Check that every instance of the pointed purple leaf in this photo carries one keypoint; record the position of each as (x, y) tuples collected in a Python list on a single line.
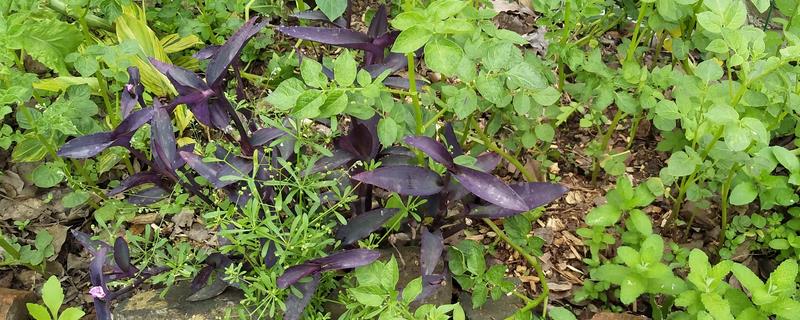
[(347, 259), (430, 250), (184, 80), (133, 122), (316, 15), (405, 180), (295, 273), (379, 24), (206, 53), (294, 304), (433, 149), (122, 255), (214, 289), (86, 241), (210, 171), (490, 188), (270, 258), (201, 279), (362, 225), (101, 310), (217, 114), (339, 159), (332, 36), (394, 62), (131, 93), (86, 146), (164, 138), (147, 196), (265, 135), (452, 140), (535, 194), (230, 51)]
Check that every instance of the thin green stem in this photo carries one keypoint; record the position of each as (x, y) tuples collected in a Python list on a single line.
[(484, 140), (8, 248), (533, 261), (634, 127), (726, 187), (635, 37), (604, 143), (412, 90)]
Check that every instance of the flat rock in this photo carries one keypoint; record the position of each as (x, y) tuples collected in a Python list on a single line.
[(148, 305), (12, 303)]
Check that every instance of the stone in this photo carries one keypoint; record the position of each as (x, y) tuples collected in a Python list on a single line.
[(148, 305), (12, 303)]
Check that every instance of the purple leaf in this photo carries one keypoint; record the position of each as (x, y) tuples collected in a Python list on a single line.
[(490, 188), (230, 51), (487, 161), (452, 140), (147, 196), (339, 159), (210, 171), (270, 258), (433, 149), (379, 24), (122, 255), (185, 81), (265, 135), (295, 273), (163, 137), (135, 180), (206, 53), (86, 146), (294, 304), (86, 241), (347, 259), (406, 180), (218, 116), (133, 122), (394, 62), (430, 250), (131, 93), (337, 37), (212, 290), (364, 224), (201, 279), (96, 276), (535, 194), (362, 140)]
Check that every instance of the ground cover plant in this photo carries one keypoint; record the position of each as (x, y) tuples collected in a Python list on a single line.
[(435, 159)]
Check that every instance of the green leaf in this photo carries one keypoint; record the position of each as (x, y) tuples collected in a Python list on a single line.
[(491, 88), (38, 312), (561, 313), (412, 290), (710, 21), (743, 193), (335, 103), (629, 256), (411, 39), (641, 222), (652, 249), (747, 278), (311, 71), (75, 198), (603, 216), (722, 114), (737, 138), (708, 70), (47, 175), (612, 273), (332, 8), (388, 131), (442, 9), (545, 132), (52, 295), (71, 313), (782, 280), (479, 295), (408, 19), (28, 149), (631, 288), (285, 96), (47, 40), (680, 164), (308, 104), (528, 76), (547, 96), (390, 275), (440, 55), (345, 69), (368, 296), (786, 158), (716, 306), (465, 103)]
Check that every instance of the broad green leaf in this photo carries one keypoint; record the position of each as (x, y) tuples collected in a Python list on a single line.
[(528, 76), (716, 306), (440, 54), (737, 138), (390, 274), (46, 40), (47, 175), (411, 39), (612, 273), (28, 149), (629, 256), (412, 290), (75, 198), (652, 249), (71, 313), (52, 295), (667, 109), (641, 222), (786, 158), (781, 281), (442, 9), (38, 312), (345, 69), (547, 96), (332, 8), (368, 296), (561, 313), (407, 20), (710, 21), (308, 104), (545, 132), (722, 114), (465, 103), (285, 96), (603, 216), (491, 88), (335, 104), (746, 277), (708, 70), (388, 131), (680, 164), (743, 193), (311, 71), (631, 288)]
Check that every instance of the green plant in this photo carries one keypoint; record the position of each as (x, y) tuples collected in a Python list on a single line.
[(468, 265), (32, 256), (53, 297)]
